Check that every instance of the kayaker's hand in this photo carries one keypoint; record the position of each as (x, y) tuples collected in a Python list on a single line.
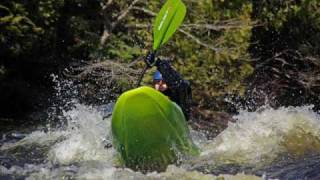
[(150, 60)]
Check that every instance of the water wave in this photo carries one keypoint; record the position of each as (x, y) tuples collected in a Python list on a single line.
[(259, 138), (82, 148)]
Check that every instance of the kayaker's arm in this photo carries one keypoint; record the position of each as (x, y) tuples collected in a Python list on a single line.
[(181, 90), (171, 76)]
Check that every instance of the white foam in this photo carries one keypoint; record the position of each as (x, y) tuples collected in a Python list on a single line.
[(260, 137), (78, 149), (86, 140)]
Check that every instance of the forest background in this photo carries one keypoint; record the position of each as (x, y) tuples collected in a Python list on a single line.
[(236, 54)]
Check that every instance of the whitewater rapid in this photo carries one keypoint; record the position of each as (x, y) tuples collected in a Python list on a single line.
[(81, 148)]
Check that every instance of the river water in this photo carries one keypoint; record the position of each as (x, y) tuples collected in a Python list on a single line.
[(270, 143)]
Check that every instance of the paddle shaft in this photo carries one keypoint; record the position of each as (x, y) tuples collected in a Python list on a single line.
[(142, 75), (167, 22)]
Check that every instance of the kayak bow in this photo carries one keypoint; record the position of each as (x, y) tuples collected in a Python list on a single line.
[(149, 131)]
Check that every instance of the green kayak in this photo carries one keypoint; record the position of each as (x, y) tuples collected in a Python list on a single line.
[(150, 131)]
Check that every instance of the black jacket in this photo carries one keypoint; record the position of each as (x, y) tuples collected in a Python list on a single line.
[(179, 90)]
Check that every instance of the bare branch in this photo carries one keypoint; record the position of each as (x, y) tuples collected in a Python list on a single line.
[(104, 37), (147, 11), (107, 32), (138, 26), (101, 69), (221, 25), (215, 27), (106, 5), (195, 26), (124, 14), (198, 41)]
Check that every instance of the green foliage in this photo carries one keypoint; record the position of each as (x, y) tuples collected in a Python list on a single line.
[(120, 47), (276, 13), (17, 30), (215, 58), (220, 72), (48, 25), (295, 24), (2, 71), (48, 12)]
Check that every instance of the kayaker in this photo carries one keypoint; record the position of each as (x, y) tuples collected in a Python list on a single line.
[(169, 82), (159, 83)]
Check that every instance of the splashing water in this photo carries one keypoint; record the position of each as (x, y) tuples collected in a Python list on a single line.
[(260, 138), (87, 133), (81, 150), (263, 143)]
